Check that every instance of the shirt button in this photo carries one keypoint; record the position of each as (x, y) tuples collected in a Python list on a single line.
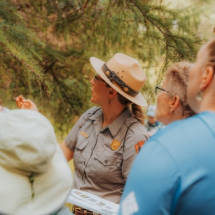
[(106, 161)]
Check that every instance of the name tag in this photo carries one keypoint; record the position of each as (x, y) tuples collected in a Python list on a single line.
[(84, 134)]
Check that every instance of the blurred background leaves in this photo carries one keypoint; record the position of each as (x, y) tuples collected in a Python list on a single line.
[(45, 46)]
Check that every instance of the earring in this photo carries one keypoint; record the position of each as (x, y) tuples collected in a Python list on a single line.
[(199, 96), (109, 101)]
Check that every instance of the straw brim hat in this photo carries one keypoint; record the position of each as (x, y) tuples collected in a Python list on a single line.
[(97, 65), (51, 188)]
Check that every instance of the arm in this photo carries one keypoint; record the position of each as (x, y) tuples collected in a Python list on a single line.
[(67, 152), (68, 146)]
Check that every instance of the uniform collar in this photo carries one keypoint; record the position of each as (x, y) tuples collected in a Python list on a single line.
[(96, 115), (97, 119), (115, 126)]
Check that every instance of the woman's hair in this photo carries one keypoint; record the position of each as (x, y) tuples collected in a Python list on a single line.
[(177, 80), (135, 109)]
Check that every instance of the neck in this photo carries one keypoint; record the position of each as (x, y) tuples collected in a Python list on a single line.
[(1, 108), (207, 107), (174, 117), (152, 122), (111, 112), (207, 103)]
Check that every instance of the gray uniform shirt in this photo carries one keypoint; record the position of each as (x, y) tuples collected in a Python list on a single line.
[(103, 156)]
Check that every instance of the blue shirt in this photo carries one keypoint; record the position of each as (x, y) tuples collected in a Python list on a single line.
[(174, 172)]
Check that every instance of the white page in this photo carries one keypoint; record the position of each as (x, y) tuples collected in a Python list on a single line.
[(92, 202)]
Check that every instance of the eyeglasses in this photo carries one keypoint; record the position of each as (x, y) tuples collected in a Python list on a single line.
[(159, 89), (97, 78)]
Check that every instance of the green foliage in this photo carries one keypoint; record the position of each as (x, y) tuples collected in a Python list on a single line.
[(45, 46), (19, 53)]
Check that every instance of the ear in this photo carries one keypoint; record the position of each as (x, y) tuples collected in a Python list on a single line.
[(174, 103), (112, 93), (207, 77)]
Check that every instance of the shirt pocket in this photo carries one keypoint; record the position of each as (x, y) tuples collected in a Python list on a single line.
[(110, 158), (82, 142), (84, 136), (108, 167)]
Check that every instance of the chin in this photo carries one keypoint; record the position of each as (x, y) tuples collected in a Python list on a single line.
[(93, 101)]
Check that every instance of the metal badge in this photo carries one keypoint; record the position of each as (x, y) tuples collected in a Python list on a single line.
[(115, 145)]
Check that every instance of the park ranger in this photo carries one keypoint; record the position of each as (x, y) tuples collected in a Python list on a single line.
[(106, 139)]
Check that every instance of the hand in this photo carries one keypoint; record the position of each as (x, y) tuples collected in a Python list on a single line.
[(22, 103)]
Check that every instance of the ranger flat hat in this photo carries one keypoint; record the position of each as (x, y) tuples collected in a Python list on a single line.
[(124, 74)]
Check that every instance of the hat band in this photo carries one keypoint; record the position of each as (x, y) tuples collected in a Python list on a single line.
[(112, 76)]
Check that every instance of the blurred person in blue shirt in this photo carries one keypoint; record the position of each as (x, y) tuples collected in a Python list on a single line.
[(152, 125), (174, 172)]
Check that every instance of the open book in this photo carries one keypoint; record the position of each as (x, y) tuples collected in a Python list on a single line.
[(92, 202)]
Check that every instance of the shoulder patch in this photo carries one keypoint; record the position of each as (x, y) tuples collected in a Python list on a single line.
[(139, 145)]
